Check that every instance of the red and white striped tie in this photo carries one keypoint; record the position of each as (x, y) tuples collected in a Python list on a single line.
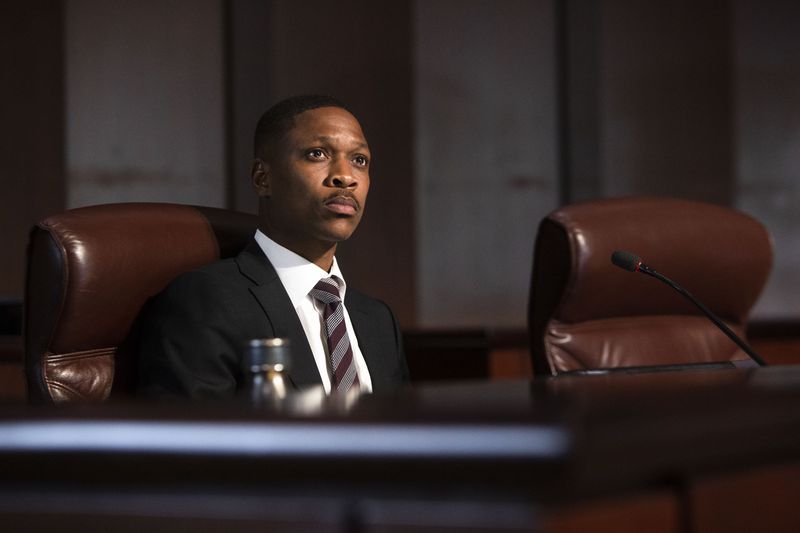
[(343, 368)]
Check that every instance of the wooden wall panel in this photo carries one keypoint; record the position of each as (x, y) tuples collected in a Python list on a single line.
[(32, 134), (144, 93)]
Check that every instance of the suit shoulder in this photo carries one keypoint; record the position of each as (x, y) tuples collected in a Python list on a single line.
[(222, 267), (208, 279)]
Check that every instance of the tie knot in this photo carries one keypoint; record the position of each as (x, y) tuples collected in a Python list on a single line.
[(326, 291)]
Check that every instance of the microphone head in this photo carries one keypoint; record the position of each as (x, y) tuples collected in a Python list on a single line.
[(626, 260)]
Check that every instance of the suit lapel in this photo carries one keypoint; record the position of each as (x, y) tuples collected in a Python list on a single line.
[(277, 306)]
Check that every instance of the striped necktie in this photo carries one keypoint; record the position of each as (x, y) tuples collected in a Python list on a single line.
[(343, 368)]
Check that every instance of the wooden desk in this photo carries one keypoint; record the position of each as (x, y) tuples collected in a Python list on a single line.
[(660, 451)]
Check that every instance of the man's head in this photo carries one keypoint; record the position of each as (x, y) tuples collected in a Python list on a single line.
[(276, 122), (311, 173)]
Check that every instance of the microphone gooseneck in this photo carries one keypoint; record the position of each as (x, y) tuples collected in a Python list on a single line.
[(633, 263)]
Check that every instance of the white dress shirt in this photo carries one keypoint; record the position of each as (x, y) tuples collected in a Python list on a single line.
[(298, 276)]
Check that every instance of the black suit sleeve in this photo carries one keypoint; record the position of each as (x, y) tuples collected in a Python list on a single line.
[(188, 342)]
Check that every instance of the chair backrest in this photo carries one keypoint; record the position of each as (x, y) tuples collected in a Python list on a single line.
[(585, 313), (91, 270)]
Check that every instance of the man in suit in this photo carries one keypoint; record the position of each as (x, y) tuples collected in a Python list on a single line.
[(311, 174)]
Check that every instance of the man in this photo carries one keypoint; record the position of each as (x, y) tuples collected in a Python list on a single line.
[(311, 174)]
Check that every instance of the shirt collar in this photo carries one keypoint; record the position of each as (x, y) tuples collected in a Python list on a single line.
[(297, 274)]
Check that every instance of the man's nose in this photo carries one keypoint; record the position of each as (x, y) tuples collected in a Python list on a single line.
[(341, 174)]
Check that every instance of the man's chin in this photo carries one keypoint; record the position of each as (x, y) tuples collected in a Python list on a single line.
[(340, 230), (335, 238)]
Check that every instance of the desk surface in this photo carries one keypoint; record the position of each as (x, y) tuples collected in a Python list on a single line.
[(571, 435)]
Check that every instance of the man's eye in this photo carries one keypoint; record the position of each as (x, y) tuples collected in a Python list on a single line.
[(360, 160), (316, 153)]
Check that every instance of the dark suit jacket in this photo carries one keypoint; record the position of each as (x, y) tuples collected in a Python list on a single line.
[(193, 333)]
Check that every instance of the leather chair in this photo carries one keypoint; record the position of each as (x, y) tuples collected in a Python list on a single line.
[(584, 313), (91, 270)]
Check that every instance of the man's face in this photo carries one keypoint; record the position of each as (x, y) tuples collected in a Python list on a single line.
[(316, 181)]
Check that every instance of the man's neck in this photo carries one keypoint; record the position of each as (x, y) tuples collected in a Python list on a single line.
[(319, 253)]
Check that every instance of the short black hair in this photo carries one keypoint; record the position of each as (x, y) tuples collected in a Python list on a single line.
[(279, 119)]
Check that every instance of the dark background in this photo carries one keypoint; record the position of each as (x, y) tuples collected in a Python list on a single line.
[(482, 116)]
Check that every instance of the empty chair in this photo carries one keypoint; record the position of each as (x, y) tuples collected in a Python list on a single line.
[(585, 313)]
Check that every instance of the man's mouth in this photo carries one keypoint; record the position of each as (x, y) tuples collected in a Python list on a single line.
[(342, 205)]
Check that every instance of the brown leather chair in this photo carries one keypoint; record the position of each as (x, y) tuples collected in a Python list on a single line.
[(90, 271), (584, 313)]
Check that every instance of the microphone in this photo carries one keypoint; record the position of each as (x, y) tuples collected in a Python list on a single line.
[(633, 263)]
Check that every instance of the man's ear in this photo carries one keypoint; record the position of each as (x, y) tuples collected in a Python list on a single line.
[(260, 176)]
